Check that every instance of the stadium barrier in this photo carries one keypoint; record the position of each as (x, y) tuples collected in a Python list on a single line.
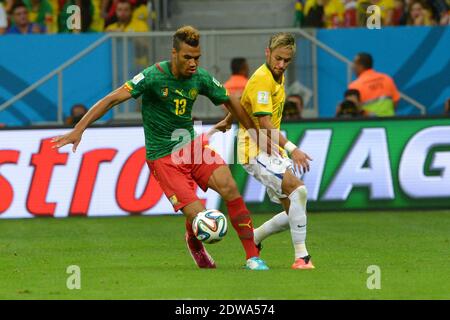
[(361, 164)]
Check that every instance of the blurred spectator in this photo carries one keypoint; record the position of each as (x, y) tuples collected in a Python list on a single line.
[(3, 19), (419, 14), (109, 11), (125, 23), (141, 11), (351, 106), (361, 12), (293, 107), (378, 92), (9, 5), (239, 77), (86, 11), (393, 12), (314, 14), (22, 25), (76, 113), (324, 13), (41, 12), (399, 13), (447, 107), (98, 23), (350, 14), (440, 11), (387, 11), (299, 17)]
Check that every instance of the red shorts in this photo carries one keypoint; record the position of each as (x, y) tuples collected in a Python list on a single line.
[(179, 173)]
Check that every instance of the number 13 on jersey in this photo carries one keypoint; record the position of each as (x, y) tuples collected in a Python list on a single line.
[(180, 106)]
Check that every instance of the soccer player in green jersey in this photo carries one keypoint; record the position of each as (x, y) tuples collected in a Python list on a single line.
[(169, 90)]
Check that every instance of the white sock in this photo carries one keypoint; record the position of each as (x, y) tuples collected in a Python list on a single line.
[(278, 223), (297, 220)]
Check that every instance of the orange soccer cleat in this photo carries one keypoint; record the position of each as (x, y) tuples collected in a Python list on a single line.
[(303, 263)]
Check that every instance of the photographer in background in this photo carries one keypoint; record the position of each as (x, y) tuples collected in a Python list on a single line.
[(76, 113), (293, 107), (351, 106)]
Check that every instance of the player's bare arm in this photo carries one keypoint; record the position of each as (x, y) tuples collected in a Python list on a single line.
[(300, 159), (236, 111), (96, 112), (234, 107), (224, 124)]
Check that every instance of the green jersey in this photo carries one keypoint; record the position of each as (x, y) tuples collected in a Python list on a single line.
[(167, 105)]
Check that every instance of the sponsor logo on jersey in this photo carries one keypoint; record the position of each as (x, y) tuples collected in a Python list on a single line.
[(180, 92), (137, 78), (164, 92), (263, 97)]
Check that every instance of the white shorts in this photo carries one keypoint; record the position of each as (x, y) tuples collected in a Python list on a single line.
[(269, 170)]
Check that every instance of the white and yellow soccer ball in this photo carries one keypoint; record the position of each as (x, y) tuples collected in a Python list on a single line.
[(210, 226)]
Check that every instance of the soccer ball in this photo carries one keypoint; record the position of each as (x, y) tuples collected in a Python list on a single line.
[(210, 226)]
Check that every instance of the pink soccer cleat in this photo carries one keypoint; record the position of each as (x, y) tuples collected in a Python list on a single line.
[(303, 263), (198, 252)]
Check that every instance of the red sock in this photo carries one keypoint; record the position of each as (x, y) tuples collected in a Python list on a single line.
[(193, 242), (242, 223), (189, 228)]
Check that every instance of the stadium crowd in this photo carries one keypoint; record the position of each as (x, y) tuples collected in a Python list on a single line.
[(51, 16), (354, 13)]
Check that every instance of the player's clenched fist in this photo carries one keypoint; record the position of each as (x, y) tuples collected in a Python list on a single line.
[(73, 137)]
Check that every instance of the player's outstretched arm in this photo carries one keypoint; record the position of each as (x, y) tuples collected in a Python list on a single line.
[(300, 159), (234, 106), (264, 142), (97, 111), (222, 126)]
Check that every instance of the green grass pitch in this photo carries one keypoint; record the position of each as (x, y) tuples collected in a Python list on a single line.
[(146, 258)]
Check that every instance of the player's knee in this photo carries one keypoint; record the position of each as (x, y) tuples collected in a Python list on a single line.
[(303, 193), (228, 189), (300, 194), (290, 184)]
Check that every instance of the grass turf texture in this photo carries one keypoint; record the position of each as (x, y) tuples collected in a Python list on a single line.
[(146, 258)]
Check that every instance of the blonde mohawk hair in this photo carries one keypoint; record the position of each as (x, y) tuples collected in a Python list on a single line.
[(188, 35), (282, 40)]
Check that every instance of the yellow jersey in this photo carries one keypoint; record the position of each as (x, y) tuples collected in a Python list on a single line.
[(333, 10), (262, 96), (133, 26)]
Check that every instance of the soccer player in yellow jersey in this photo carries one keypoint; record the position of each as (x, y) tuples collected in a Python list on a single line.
[(263, 99)]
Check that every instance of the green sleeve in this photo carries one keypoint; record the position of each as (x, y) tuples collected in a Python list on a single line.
[(139, 83), (213, 89)]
